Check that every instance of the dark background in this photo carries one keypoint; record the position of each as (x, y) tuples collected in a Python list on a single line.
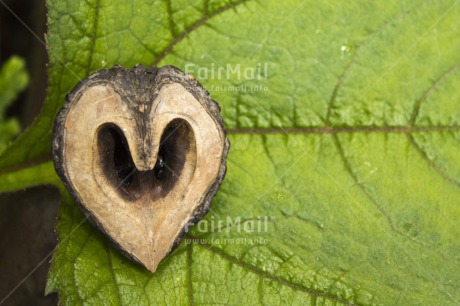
[(27, 218)]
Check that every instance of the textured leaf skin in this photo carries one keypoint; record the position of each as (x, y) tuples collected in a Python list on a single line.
[(13, 79), (352, 151)]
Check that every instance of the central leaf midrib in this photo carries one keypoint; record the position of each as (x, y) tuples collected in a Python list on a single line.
[(287, 131), (345, 129)]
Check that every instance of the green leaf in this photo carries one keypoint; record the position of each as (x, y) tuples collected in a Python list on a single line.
[(13, 79), (33, 175), (348, 143)]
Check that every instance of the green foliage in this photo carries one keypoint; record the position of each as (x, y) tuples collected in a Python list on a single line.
[(351, 151), (13, 79)]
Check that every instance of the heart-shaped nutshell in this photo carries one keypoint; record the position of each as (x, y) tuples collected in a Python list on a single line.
[(142, 152)]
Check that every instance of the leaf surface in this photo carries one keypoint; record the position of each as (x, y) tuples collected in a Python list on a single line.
[(345, 141)]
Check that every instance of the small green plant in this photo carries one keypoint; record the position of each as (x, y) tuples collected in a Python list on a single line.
[(13, 79)]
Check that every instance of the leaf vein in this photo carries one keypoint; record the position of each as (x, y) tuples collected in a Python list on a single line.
[(378, 206), (189, 274), (93, 38), (426, 93), (347, 69), (170, 18), (265, 275), (433, 165), (112, 273), (192, 28)]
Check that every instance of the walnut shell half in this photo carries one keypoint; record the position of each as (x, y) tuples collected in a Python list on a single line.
[(142, 152)]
